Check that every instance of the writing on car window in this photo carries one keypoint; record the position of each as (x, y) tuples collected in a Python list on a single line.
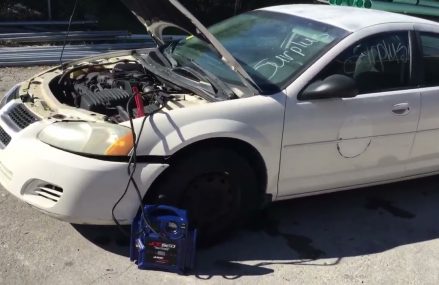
[(272, 47), (295, 51), (378, 54), (376, 63)]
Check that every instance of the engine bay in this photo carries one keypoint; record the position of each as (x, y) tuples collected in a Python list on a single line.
[(119, 90)]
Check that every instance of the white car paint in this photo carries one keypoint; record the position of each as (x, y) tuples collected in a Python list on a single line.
[(228, 119), (424, 156), (353, 141), (308, 147), (90, 186)]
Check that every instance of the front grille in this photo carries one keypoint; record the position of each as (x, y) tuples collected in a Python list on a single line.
[(5, 139), (19, 116), (49, 191)]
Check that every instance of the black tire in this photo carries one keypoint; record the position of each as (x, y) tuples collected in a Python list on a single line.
[(217, 186)]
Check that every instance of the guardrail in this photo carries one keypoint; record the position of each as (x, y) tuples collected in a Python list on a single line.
[(74, 36), (49, 55), (45, 23)]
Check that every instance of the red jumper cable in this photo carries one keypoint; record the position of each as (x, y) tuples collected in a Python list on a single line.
[(139, 102)]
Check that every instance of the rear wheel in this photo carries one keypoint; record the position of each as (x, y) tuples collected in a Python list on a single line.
[(217, 187)]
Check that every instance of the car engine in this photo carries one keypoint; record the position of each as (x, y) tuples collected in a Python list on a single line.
[(110, 91)]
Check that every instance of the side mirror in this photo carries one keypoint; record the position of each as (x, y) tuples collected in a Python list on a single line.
[(334, 86)]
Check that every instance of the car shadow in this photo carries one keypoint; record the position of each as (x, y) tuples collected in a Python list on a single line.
[(313, 231)]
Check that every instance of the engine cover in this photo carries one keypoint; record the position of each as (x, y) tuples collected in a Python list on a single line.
[(102, 100)]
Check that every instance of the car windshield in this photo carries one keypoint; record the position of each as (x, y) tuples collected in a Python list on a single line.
[(271, 47)]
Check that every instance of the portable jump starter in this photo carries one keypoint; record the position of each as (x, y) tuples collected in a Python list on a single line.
[(161, 239)]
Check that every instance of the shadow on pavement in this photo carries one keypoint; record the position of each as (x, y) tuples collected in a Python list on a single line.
[(313, 231)]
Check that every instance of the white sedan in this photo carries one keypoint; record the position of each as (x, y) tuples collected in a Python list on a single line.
[(272, 104)]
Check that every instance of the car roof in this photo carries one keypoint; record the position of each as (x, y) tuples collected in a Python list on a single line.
[(349, 18)]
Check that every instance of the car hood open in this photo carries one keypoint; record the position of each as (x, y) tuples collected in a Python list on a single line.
[(157, 15), (160, 13)]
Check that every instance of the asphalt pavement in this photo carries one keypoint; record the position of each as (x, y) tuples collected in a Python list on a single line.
[(378, 235)]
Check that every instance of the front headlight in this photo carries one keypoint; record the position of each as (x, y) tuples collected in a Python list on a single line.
[(10, 95), (89, 138)]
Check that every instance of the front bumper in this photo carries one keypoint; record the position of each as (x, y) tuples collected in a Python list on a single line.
[(67, 186)]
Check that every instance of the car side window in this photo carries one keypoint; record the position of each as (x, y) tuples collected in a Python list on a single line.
[(376, 63), (430, 55)]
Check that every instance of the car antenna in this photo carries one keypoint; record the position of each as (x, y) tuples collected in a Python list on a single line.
[(67, 34)]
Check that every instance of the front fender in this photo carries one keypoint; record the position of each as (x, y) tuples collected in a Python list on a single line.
[(256, 120), (183, 136)]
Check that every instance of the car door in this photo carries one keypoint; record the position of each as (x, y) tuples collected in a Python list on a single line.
[(425, 154), (347, 142)]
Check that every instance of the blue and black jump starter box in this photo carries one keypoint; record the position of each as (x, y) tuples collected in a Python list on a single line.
[(161, 239)]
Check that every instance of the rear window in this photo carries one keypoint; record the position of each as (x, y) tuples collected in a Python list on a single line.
[(430, 54)]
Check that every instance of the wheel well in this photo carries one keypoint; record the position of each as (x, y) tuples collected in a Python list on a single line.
[(243, 148)]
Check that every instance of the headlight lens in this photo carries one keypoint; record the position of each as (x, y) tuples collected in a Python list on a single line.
[(89, 138), (10, 95)]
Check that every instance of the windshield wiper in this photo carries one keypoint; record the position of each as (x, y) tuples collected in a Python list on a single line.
[(208, 76), (168, 50)]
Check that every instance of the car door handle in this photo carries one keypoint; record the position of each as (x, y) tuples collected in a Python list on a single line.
[(401, 109)]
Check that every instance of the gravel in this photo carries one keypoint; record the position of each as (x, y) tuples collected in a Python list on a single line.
[(11, 76)]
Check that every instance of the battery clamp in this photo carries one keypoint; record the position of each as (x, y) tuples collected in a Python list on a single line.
[(162, 239)]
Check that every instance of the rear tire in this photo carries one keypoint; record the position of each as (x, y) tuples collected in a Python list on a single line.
[(217, 186)]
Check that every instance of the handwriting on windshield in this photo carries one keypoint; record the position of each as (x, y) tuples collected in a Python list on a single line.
[(294, 51), (378, 54)]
